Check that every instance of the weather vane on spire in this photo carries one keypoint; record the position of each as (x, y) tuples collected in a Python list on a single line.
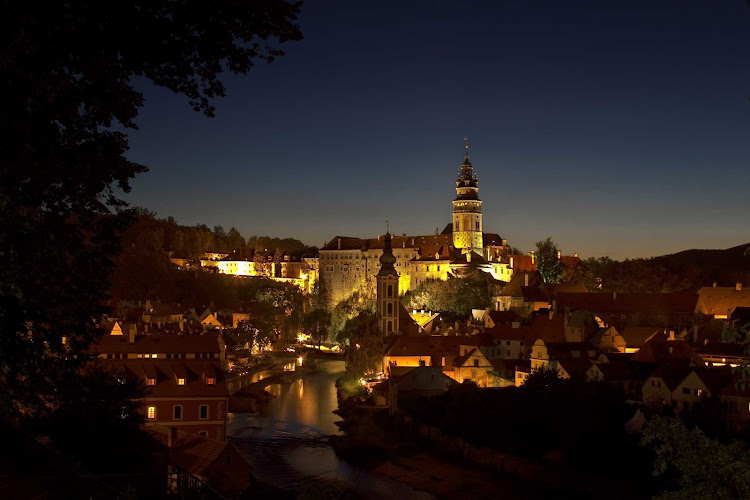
[(466, 145), (387, 227)]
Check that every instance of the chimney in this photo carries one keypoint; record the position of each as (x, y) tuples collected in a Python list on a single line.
[(551, 314), (172, 437), (511, 262), (554, 305), (131, 335), (339, 243), (436, 230), (559, 254), (533, 257), (378, 237), (526, 279), (738, 286), (714, 284), (575, 254)]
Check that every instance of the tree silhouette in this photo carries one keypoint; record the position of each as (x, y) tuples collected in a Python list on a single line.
[(66, 80)]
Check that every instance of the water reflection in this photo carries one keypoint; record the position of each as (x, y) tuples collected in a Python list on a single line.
[(286, 444)]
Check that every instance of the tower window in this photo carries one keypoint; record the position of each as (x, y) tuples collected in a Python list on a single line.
[(390, 326), (456, 228), (477, 225), (390, 291), (390, 309)]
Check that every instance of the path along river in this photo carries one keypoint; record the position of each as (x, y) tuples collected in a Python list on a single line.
[(286, 443)]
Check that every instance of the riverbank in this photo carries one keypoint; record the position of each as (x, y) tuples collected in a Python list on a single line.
[(371, 444)]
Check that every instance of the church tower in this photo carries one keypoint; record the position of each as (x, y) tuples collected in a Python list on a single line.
[(387, 291), (467, 210)]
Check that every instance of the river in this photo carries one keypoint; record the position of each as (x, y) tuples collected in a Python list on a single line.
[(286, 443)]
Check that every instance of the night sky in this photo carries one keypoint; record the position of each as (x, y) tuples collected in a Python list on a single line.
[(618, 128)]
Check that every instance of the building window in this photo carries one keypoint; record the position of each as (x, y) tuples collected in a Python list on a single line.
[(390, 291), (153, 356), (390, 326), (177, 412), (686, 390), (210, 380), (203, 434), (180, 381), (151, 413), (151, 381), (203, 412), (390, 309), (477, 225), (476, 362)]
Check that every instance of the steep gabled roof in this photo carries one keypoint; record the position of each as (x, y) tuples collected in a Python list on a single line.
[(722, 300), (637, 336)]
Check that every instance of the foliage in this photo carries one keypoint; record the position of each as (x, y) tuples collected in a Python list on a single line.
[(571, 417), (68, 100), (358, 302), (100, 418), (705, 468), (259, 331), (541, 378), (547, 262), (315, 323), (453, 298), (364, 353)]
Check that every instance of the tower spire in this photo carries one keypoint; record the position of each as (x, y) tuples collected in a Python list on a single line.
[(466, 146)]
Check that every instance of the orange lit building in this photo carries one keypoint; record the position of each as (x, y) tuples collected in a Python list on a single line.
[(183, 375)]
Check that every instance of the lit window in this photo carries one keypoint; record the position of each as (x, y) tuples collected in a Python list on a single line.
[(210, 381), (140, 356), (180, 381), (153, 356), (152, 412), (177, 412), (151, 381)]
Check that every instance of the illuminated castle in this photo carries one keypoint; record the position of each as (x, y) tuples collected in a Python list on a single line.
[(351, 264)]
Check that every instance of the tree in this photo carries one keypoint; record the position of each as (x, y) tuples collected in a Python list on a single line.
[(547, 262), (364, 353), (315, 323), (278, 256), (66, 74), (705, 468)]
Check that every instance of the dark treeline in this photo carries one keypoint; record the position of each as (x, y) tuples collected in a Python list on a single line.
[(681, 272), (191, 242)]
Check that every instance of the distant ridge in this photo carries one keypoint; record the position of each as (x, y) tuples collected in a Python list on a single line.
[(725, 267)]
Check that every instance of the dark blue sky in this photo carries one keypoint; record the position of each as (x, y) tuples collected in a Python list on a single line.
[(618, 128)]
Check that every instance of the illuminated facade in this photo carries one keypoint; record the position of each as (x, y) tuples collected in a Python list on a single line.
[(303, 274), (351, 264)]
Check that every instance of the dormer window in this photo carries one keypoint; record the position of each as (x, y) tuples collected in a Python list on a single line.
[(151, 381), (180, 381), (210, 381)]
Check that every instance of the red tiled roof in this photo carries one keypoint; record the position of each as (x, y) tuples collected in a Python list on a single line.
[(208, 343), (522, 263), (193, 371), (637, 336), (722, 300), (628, 303)]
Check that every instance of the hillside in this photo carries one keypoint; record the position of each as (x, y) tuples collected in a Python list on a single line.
[(725, 267)]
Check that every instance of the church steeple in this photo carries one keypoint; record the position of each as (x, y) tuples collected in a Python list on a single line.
[(467, 209), (387, 289)]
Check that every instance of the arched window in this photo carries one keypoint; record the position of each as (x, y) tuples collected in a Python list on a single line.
[(390, 310), (456, 229), (390, 326), (390, 291)]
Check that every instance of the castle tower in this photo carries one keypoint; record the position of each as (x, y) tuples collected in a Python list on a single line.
[(467, 210), (387, 290)]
